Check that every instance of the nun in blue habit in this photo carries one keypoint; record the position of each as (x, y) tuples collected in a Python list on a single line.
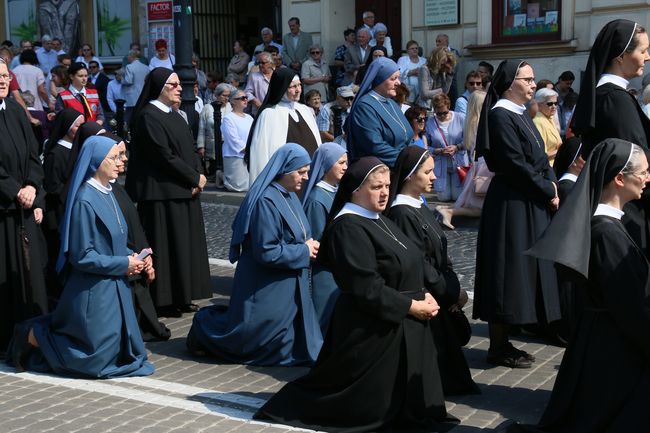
[(93, 331), (376, 125), (271, 318), (327, 168)]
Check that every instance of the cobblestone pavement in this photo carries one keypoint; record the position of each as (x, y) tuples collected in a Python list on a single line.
[(188, 394)]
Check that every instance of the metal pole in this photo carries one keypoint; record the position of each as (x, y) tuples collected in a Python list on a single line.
[(183, 37)]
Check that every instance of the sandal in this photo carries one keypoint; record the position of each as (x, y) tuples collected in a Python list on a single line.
[(508, 358), (522, 353)]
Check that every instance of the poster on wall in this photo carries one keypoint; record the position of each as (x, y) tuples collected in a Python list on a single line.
[(114, 34), (441, 12), (160, 24)]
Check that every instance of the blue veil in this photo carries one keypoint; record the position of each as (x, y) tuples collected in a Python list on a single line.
[(324, 158), (90, 158), (286, 159), (378, 72)]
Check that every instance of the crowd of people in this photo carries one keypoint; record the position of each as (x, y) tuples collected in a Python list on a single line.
[(342, 266)]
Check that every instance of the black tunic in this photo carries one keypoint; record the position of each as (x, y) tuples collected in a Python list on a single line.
[(618, 115), (55, 167), (23, 293), (162, 172), (377, 366), (509, 284), (145, 311), (604, 378), (299, 132), (421, 227)]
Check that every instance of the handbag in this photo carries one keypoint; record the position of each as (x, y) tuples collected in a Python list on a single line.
[(481, 184)]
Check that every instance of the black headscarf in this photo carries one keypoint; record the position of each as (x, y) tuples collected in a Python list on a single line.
[(611, 42), (356, 173), (501, 81), (153, 85), (62, 124), (407, 162), (566, 154), (604, 163), (278, 85), (85, 131)]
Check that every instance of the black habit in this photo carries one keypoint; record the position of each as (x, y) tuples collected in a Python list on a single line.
[(509, 287), (421, 227), (378, 366), (163, 169), (23, 292)]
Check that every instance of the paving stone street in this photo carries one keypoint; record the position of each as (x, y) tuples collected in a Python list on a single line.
[(189, 394)]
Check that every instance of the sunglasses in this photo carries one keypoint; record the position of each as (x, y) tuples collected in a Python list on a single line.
[(442, 113), (348, 98), (421, 119), (314, 52), (475, 83), (173, 85), (241, 98), (551, 104)]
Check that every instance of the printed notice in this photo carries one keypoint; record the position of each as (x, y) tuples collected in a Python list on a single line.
[(441, 12)]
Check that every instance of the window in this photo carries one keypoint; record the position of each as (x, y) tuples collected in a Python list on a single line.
[(525, 20)]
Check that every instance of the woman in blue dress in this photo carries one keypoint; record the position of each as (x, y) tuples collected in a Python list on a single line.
[(327, 168), (270, 319), (93, 332)]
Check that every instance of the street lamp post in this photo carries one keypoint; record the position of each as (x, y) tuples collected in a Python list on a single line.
[(183, 37)]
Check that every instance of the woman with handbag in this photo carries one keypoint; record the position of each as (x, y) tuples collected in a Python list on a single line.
[(444, 133), (413, 176)]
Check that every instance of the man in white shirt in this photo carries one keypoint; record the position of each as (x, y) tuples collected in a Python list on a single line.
[(267, 39), (47, 57)]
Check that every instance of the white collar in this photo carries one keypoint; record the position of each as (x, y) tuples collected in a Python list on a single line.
[(162, 107), (280, 187), (610, 211), (569, 176), (74, 90), (327, 187), (65, 143), (291, 105), (510, 106), (3, 105), (355, 209), (406, 200), (98, 186), (617, 80), (377, 96)]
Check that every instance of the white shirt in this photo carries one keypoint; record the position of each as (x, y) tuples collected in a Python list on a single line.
[(162, 107), (610, 211), (3, 105), (234, 130), (113, 92), (65, 143), (569, 176), (406, 200), (614, 79), (168, 63), (355, 209)]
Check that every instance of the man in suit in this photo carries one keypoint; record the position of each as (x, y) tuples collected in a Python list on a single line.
[(99, 81), (135, 73), (356, 56), (295, 45)]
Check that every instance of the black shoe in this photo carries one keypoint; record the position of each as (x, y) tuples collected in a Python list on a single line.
[(189, 308), (168, 311), (21, 346), (508, 358), (523, 353)]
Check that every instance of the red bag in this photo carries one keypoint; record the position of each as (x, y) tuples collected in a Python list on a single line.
[(462, 172)]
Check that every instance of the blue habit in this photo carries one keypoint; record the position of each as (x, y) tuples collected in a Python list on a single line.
[(325, 291), (271, 318), (378, 128), (93, 331)]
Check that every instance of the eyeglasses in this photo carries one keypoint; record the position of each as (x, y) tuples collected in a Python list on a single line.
[(642, 174), (173, 85), (5, 77), (475, 83), (421, 119), (117, 158), (314, 52), (528, 80), (94, 67), (551, 104), (241, 98), (442, 113), (265, 63)]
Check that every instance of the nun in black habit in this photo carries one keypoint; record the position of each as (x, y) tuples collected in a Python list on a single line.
[(603, 382), (413, 176), (165, 179), (377, 368), (606, 110), (510, 288), (22, 282), (55, 167)]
